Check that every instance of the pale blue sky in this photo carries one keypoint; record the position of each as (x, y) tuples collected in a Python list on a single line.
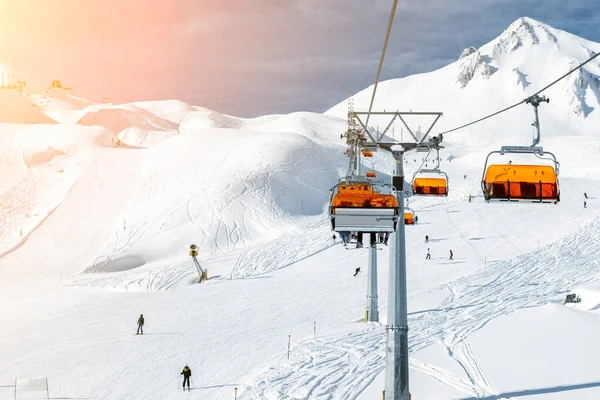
[(252, 57)]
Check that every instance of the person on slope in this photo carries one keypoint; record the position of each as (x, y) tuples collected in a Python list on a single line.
[(187, 372), (585, 195), (584, 204), (359, 240), (470, 197), (356, 271), (334, 238), (451, 254), (140, 324), (428, 257), (426, 239), (416, 219)]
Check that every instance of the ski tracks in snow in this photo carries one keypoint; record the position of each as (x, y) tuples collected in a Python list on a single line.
[(287, 249), (342, 366), (338, 367)]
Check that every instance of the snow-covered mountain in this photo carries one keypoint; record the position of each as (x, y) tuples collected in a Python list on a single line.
[(527, 56), (100, 202)]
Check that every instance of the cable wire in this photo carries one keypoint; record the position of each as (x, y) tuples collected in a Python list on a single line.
[(522, 101), (385, 43)]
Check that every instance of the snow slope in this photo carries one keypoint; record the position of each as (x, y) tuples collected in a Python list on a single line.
[(97, 218)]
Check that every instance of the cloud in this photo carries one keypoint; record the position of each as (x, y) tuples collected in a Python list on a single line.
[(255, 57)]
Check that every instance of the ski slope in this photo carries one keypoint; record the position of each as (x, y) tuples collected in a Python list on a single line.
[(99, 206)]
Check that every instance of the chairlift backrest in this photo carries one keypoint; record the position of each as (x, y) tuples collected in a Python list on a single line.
[(521, 182)]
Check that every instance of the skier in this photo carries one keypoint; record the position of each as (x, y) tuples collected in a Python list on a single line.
[(416, 219), (345, 236), (187, 372), (426, 239), (359, 240), (470, 197), (140, 324), (584, 204), (334, 238), (356, 271), (465, 177), (428, 257), (451, 254), (585, 195)]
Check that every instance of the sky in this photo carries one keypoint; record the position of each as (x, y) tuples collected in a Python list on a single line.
[(253, 57)]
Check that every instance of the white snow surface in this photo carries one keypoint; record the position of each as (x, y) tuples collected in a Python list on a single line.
[(98, 212)]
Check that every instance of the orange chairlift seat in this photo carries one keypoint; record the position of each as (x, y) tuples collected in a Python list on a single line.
[(371, 174), (359, 207), (522, 182), (409, 217), (366, 153), (430, 183)]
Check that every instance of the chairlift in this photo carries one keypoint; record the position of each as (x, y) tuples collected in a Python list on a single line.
[(409, 216), (430, 182), (371, 174), (531, 182), (536, 183), (366, 153), (358, 205)]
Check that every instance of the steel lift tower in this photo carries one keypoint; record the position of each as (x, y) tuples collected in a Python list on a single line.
[(396, 373)]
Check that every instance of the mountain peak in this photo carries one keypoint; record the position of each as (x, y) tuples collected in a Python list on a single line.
[(524, 31)]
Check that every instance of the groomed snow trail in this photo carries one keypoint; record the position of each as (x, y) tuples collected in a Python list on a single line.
[(341, 366)]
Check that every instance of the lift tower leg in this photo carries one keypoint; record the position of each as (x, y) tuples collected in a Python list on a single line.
[(372, 313), (396, 372)]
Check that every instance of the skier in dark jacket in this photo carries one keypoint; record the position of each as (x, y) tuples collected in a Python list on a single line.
[(140, 324), (187, 372), (356, 271)]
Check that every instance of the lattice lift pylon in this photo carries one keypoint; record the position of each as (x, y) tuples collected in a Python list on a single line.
[(355, 139)]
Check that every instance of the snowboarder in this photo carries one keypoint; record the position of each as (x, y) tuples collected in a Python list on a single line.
[(356, 271), (426, 239), (470, 197), (140, 325), (584, 204), (187, 372), (451, 254), (428, 257), (585, 195)]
